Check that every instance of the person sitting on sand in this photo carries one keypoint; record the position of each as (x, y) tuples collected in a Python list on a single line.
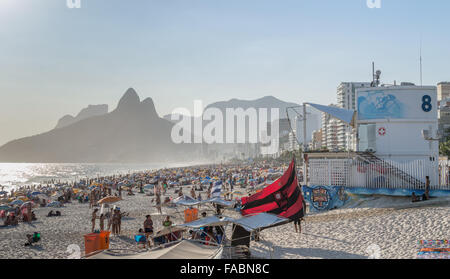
[(130, 192), (33, 216), (94, 217), (415, 198), (141, 238), (167, 222), (33, 238)]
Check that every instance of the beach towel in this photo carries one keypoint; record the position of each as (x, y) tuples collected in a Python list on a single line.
[(282, 198)]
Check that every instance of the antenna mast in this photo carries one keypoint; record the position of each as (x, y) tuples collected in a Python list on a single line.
[(421, 72)]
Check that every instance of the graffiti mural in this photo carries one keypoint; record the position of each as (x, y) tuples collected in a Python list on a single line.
[(379, 105), (323, 198)]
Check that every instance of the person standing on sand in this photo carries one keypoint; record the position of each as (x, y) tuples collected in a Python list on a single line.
[(158, 203), (102, 222), (119, 225), (109, 215), (298, 223), (115, 222), (94, 217), (193, 193), (427, 189), (148, 229)]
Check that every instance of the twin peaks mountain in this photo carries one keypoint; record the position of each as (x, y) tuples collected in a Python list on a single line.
[(133, 132)]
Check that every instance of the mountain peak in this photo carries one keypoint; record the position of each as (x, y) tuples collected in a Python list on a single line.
[(149, 106), (129, 99)]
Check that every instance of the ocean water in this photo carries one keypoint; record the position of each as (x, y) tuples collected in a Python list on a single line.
[(16, 174)]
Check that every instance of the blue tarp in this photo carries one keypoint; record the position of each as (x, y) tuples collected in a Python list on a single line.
[(208, 221), (249, 223)]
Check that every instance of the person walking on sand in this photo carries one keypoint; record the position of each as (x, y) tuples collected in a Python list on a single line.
[(94, 217)]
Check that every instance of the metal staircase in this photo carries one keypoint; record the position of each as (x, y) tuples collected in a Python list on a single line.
[(370, 158)]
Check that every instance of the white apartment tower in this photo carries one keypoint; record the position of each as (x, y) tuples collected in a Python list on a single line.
[(346, 98)]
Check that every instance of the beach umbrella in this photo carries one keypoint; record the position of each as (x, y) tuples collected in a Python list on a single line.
[(17, 202), (5, 207), (26, 204), (3, 192), (149, 186), (238, 193), (36, 193), (108, 200)]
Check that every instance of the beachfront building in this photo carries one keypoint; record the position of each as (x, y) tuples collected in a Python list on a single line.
[(443, 90), (292, 141), (329, 131), (346, 99), (444, 118), (316, 142)]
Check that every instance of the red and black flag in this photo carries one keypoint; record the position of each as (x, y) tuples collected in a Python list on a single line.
[(283, 198)]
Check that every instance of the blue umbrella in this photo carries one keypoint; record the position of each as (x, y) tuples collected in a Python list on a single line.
[(17, 202), (149, 186), (36, 193), (3, 192)]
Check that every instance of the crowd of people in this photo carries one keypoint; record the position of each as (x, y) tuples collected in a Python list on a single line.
[(195, 182)]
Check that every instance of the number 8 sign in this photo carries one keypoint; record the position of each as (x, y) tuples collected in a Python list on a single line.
[(426, 103)]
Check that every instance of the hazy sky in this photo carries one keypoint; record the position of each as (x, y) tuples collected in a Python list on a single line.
[(55, 60)]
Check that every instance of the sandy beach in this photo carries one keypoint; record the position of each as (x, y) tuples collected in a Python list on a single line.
[(344, 234), (352, 234)]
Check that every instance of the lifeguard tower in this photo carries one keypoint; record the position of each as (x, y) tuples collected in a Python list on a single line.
[(395, 145)]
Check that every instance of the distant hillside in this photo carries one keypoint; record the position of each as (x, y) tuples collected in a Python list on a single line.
[(90, 111), (133, 132), (268, 102)]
